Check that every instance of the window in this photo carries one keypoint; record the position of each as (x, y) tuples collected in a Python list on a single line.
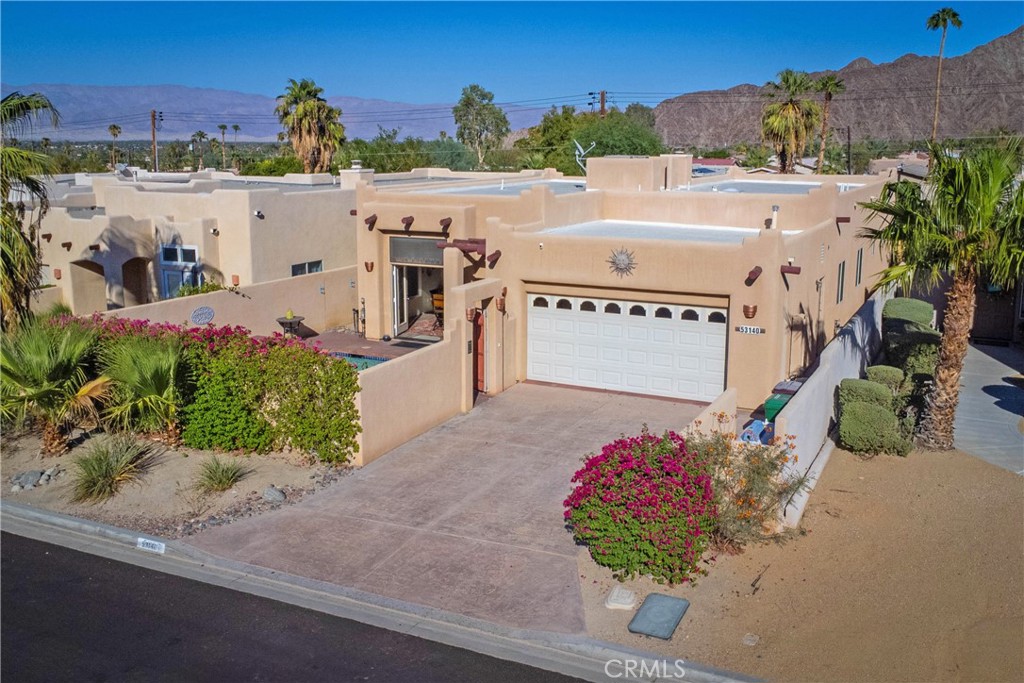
[(564, 304), (612, 308), (860, 266), (637, 309), (307, 268), (540, 302), (588, 306), (690, 314), (840, 282), (663, 312), (716, 317), (177, 254)]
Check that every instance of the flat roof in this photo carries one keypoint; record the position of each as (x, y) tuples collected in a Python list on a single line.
[(752, 187), (510, 188), (646, 230)]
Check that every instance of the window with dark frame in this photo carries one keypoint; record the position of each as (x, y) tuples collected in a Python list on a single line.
[(841, 281), (307, 268)]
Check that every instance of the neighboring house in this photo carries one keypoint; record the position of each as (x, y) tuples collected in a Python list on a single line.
[(622, 284), (111, 241)]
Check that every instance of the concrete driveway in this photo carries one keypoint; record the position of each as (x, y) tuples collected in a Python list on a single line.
[(465, 518), (990, 418)]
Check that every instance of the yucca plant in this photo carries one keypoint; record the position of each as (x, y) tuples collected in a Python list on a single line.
[(43, 375), (111, 463), (147, 374), (220, 475)]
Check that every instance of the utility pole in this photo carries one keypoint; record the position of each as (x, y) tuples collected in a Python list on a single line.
[(603, 110), (603, 94), (152, 132)]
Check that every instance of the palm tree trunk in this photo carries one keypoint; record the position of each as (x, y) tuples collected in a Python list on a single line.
[(54, 440), (937, 426), (938, 85), (824, 132)]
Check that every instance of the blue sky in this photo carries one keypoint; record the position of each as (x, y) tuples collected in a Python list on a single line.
[(424, 52)]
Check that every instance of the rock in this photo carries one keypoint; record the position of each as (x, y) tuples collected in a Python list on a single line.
[(28, 479), (751, 639), (274, 495), (16, 488)]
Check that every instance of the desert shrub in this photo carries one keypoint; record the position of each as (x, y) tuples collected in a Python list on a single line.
[(904, 308), (751, 482), (147, 374), (220, 475), (870, 428), (644, 505), (862, 390), (204, 288), (888, 375), (108, 465)]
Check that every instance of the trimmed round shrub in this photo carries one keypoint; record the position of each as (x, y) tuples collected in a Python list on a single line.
[(870, 428), (644, 505), (904, 308), (888, 375), (864, 391), (909, 343)]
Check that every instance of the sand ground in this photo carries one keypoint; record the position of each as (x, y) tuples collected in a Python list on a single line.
[(906, 569)]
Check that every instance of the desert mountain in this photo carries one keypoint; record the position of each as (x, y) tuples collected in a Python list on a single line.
[(981, 90)]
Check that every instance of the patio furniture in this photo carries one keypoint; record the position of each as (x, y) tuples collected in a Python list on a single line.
[(437, 299), (291, 325)]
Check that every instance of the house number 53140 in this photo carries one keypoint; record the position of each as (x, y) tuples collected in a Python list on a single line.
[(749, 329)]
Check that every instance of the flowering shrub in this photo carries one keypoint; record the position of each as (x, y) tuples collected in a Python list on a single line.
[(644, 505)]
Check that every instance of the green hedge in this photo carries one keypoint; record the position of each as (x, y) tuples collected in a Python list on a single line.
[(864, 391), (869, 428), (888, 375), (911, 346), (913, 310)]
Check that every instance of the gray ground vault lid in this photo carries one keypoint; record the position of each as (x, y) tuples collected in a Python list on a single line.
[(659, 616)]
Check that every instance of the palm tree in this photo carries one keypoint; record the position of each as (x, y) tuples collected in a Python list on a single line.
[(942, 19), (197, 141), (967, 221), (313, 126), (235, 127), (787, 122), (42, 375), (147, 375), (114, 131), (22, 188), (223, 148), (828, 86)]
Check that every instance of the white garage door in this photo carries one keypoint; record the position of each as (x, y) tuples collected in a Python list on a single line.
[(634, 346)]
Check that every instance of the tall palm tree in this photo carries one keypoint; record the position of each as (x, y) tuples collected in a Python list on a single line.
[(790, 118), (235, 127), (944, 18), (313, 126), (115, 131), (42, 375), (966, 221), (197, 141), (828, 86), (223, 148), (22, 189)]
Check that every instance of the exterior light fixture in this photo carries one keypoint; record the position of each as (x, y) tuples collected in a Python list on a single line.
[(470, 314), (749, 311), (368, 265), (215, 232), (258, 214), (56, 274)]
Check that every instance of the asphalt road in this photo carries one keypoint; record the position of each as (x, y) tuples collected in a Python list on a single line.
[(71, 616)]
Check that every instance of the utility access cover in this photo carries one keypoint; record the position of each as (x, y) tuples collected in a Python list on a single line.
[(659, 616)]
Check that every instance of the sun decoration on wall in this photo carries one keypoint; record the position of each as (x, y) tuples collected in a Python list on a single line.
[(621, 262)]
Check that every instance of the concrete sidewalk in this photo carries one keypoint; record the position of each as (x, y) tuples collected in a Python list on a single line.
[(990, 418), (466, 518)]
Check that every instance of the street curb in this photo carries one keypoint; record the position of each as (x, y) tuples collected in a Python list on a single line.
[(568, 654)]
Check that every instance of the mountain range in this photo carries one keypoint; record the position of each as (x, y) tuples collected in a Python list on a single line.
[(981, 91)]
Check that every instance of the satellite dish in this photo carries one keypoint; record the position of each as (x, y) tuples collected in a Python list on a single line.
[(581, 153)]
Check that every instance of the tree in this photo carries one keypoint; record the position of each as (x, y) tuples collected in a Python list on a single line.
[(22, 189), (313, 126), (788, 121), (641, 113), (828, 86), (197, 142), (235, 127), (552, 139), (223, 148), (481, 125), (618, 133), (115, 131), (942, 19), (966, 222)]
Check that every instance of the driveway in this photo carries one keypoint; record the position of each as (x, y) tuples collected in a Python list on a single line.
[(990, 418), (465, 518)]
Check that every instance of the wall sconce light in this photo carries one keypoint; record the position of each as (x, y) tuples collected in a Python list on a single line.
[(94, 247), (56, 273), (752, 276), (470, 314), (368, 265), (775, 216), (234, 280), (499, 303), (258, 214), (47, 236), (66, 245), (370, 221), (749, 311), (493, 258), (407, 222), (215, 232), (445, 223)]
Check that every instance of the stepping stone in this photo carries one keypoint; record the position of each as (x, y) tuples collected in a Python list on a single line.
[(620, 598), (659, 616)]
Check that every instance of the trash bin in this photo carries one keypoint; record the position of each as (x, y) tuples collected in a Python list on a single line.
[(774, 404)]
